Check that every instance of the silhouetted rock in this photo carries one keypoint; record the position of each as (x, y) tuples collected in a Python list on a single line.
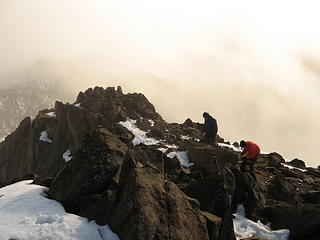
[(298, 163), (139, 190), (91, 171), (188, 122), (15, 153), (311, 197), (64, 128), (302, 221), (46, 182), (213, 225), (149, 207)]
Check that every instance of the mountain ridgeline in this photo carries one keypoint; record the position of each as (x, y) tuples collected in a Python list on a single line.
[(89, 157)]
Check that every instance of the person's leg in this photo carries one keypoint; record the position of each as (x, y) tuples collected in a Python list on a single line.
[(243, 165), (252, 168), (209, 140)]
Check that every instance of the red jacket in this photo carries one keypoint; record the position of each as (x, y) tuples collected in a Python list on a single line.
[(252, 149)]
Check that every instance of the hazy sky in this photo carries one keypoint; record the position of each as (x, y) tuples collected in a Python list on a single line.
[(254, 65)]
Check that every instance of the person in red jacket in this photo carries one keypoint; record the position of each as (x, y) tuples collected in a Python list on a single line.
[(249, 156)]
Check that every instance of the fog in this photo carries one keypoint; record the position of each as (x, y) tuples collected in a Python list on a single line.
[(254, 66)]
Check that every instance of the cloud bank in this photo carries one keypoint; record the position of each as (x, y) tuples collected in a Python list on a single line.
[(255, 67)]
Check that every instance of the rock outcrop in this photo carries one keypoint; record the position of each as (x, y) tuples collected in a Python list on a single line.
[(136, 201), (65, 127), (143, 186)]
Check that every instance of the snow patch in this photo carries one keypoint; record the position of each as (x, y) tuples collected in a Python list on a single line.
[(77, 104), (291, 167), (182, 157), (27, 214), (230, 146), (51, 114), (245, 228), (140, 136), (44, 137), (152, 122), (67, 155), (163, 149), (171, 146), (185, 137)]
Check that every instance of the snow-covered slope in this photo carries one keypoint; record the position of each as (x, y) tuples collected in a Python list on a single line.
[(27, 214)]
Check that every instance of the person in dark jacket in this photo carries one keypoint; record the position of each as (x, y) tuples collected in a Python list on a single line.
[(210, 128)]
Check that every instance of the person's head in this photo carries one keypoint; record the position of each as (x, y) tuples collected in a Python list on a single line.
[(243, 143), (206, 115)]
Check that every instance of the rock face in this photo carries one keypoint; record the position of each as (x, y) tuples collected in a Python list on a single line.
[(91, 171), (303, 220), (150, 207), (65, 127), (138, 202), (145, 191)]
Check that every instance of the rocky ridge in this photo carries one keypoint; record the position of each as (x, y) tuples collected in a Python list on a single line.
[(142, 191)]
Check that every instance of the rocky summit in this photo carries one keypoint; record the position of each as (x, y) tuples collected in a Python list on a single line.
[(111, 157)]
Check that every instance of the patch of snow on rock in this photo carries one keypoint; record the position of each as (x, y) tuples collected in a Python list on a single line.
[(171, 146), (163, 149), (185, 137), (51, 114), (230, 146), (140, 136), (44, 137), (67, 155), (291, 167), (245, 228), (152, 122), (27, 214), (182, 157)]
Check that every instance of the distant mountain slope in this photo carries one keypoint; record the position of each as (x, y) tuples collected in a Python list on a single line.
[(34, 89)]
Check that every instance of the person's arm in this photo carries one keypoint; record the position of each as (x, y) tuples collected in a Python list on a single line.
[(244, 154), (205, 127)]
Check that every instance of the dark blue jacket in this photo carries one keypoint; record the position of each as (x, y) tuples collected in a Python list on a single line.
[(210, 126)]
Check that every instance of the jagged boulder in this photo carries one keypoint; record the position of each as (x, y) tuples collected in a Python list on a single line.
[(15, 159), (91, 171), (303, 221), (250, 193), (212, 158), (64, 128), (282, 189), (312, 196), (213, 225), (175, 172), (188, 122), (150, 207), (298, 163), (213, 183)]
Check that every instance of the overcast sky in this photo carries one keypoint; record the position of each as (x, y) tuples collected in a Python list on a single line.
[(254, 65)]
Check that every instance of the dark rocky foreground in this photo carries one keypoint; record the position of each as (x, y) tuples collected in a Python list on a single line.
[(139, 191)]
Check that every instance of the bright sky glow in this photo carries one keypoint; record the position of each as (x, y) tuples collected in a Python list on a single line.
[(266, 53)]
